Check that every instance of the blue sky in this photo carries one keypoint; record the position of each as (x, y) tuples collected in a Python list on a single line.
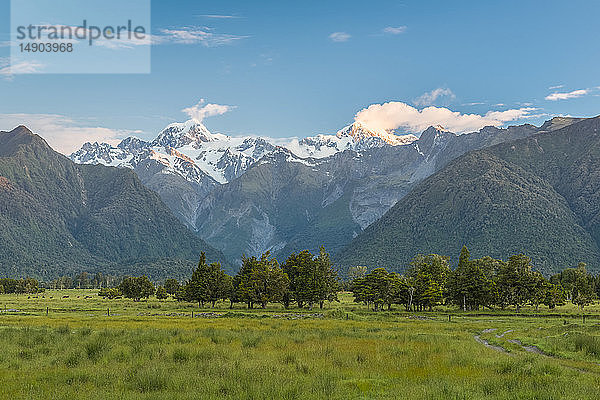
[(301, 68)]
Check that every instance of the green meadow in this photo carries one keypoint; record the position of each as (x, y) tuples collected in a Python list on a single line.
[(65, 348)]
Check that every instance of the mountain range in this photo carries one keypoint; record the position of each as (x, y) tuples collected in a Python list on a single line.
[(370, 197), (539, 195), (59, 218), (247, 195)]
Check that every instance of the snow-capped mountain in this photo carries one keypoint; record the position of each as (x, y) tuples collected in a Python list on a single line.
[(192, 151), (355, 137), (247, 195)]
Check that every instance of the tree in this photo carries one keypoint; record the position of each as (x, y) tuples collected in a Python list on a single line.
[(98, 280), (429, 292), (263, 281), (171, 286), (240, 293), (110, 293), (28, 285), (539, 289), (429, 276), (515, 281), (380, 288), (208, 283), (312, 279), (555, 295), (373, 288), (161, 293), (83, 280), (460, 281), (567, 279), (136, 288), (583, 291), (298, 267)]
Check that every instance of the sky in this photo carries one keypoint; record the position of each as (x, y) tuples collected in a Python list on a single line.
[(296, 69)]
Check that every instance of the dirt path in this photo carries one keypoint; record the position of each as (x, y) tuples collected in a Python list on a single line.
[(527, 348), (488, 344)]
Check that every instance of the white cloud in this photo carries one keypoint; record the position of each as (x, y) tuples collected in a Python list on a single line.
[(8, 70), (397, 115), (556, 87), (395, 30), (178, 35), (200, 111), (63, 134), (219, 16), (340, 36), (567, 95), (194, 35), (429, 98)]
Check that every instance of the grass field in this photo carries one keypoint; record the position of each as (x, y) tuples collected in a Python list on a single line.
[(156, 350)]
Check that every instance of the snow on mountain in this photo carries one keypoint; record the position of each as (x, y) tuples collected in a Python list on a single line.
[(355, 137), (192, 151), (183, 134), (102, 153), (360, 132)]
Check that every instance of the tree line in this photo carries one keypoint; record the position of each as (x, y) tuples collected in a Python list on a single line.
[(309, 280), (19, 286), (474, 284), (304, 279)]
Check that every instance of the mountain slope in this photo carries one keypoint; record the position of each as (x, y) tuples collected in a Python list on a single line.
[(59, 217), (249, 195), (537, 195), (186, 161), (327, 201)]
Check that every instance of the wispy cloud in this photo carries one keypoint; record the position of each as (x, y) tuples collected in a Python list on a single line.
[(430, 98), (173, 35), (340, 37), (556, 87), (202, 110), (194, 35), (219, 16), (8, 69), (64, 134), (395, 30), (398, 115), (567, 95)]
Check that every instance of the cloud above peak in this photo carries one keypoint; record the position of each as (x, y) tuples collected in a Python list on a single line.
[(430, 98), (398, 115), (567, 95), (63, 133), (201, 110)]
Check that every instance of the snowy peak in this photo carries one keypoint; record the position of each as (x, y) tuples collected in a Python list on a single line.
[(101, 153), (133, 144), (192, 151), (183, 134), (359, 132)]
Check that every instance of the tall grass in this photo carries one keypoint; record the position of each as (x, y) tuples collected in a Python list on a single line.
[(91, 356)]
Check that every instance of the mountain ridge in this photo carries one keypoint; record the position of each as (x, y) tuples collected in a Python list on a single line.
[(553, 212), (60, 217)]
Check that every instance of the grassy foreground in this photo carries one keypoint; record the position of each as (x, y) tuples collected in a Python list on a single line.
[(77, 351)]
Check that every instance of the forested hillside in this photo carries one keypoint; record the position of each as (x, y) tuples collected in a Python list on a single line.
[(58, 217), (537, 196)]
